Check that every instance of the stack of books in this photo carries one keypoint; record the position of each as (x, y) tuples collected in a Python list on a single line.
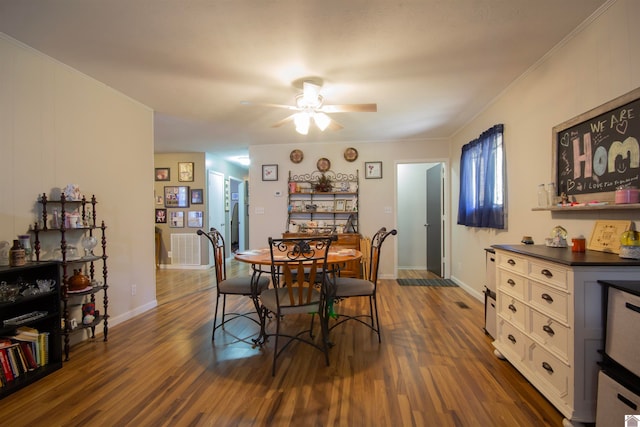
[(24, 352)]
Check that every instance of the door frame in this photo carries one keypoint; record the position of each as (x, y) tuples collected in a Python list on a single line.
[(446, 203)]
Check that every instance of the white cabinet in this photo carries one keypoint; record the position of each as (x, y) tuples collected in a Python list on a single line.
[(549, 320)]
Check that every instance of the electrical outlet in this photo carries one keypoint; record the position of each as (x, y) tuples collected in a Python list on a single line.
[(169, 254), (133, 290)]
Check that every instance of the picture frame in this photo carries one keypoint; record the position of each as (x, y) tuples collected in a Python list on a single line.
[(605, 236), (196, 196), (185, 171), (176, 196), (339, 205), (161, 216), (194, 219), (176, 219), (163, 174), (269, 172), (235, 197), (373, 170)]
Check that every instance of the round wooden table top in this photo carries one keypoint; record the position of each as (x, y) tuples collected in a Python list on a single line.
[(337, 255)]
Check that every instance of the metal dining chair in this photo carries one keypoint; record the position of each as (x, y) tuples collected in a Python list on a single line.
[(349, 287), (298, 273), (250, 286)]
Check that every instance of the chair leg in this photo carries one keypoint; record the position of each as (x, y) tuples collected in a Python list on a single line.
[(377, 328), (215, 318), (275, 348)]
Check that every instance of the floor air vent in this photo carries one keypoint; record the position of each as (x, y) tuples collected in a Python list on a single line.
[(185, 249)]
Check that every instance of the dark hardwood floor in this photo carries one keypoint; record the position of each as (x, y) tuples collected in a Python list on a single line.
[(434, 367)]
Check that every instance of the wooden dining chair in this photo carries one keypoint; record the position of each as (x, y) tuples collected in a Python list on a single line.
[(298, 273), (250, 286), (349, 287)]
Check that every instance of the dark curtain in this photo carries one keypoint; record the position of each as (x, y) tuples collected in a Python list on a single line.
[(482, 181)]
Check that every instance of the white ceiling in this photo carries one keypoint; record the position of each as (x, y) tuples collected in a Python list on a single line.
[(430, 65)]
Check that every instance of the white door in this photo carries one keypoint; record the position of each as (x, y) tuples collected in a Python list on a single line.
[(216, 201)]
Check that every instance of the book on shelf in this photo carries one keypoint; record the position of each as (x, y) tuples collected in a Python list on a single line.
[(13, 362), (28, 355), (6, 368), (24, 333)]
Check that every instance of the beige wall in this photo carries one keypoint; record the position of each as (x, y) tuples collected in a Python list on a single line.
[(377, 198), (58, 127), (597, 64)]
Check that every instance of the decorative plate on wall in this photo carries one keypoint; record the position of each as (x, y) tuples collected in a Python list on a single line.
[(323, 164), (350, 154), (296, 156)]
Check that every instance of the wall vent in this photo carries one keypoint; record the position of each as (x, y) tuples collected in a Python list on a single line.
[(185, 249)]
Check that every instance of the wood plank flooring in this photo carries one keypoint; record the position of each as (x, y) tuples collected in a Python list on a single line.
[(434, 367)]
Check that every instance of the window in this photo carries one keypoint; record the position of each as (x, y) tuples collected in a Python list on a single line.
[(482, 181)]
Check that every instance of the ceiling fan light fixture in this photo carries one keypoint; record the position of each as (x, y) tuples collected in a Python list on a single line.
[(322, 120), (302, 121)]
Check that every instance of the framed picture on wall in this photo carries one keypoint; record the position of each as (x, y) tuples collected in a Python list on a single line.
[(176, 219), (194, 219), (196, 196), (163, 174), (373, 170), (176, 197), (269, 172), (185, 171), (161, 216)]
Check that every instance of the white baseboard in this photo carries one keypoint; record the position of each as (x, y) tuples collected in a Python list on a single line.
[(468, 289)]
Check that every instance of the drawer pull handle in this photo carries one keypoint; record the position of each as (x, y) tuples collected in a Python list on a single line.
[(512, 308), (547, 367), (548, 330), (511, 262), (547, 298), (546, 273), (632, 307), (511, 282), (511, 338), (627, 402)]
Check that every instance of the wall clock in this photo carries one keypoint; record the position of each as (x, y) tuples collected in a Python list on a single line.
[(323, 164), (296, 156), (350, 154)]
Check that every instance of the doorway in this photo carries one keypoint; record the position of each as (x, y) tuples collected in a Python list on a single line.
[(422, 213)]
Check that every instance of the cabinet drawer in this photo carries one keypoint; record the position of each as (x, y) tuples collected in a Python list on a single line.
[(513, 262), (550, 370), (512, 339), (511, 309), (622, 339), (554, 335), (614, 402), (549, 274), (550, 301), (511, 283)]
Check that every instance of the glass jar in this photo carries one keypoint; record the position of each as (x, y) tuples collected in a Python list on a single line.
[(542, 196), (551, 194)]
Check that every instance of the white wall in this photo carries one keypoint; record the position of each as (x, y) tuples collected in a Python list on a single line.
[(58, 127), (377, 198), (598, 63)]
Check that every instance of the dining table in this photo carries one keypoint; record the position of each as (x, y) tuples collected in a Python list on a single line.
[(260, 260)]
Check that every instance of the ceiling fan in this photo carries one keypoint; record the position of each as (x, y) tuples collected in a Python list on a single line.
[(310, 106)]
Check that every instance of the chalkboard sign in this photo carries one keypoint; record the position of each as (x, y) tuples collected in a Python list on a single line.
[(598, 151)]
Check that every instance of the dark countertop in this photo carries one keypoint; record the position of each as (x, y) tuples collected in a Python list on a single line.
[(631, 286), (566, 257)]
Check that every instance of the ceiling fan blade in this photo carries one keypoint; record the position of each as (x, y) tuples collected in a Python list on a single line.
[(283, 121), (256, 104), (350, 108), (333, 125)]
